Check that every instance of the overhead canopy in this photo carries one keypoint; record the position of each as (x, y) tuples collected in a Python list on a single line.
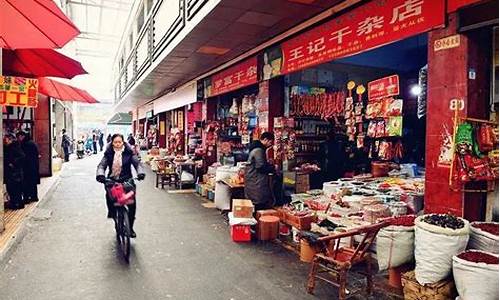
[(62, 91), (40, 63), (34, 24), (181, 97), (121, 119)]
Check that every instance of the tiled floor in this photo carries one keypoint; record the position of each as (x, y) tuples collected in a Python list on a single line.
[(14, 218)]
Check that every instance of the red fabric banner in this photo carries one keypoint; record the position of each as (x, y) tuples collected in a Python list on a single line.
[(235, 77), (371, 25)]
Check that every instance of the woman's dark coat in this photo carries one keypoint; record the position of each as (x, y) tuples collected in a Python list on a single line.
[(128, 160), (31, 164), (257, 172), (13, 163)]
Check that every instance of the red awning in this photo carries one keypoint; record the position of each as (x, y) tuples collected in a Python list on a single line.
[(62, 91), (34, 24), (40, 63)]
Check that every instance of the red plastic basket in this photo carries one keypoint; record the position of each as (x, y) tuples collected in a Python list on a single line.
[(241, 233)]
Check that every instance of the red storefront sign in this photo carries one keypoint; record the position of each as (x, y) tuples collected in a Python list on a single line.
[(454, 5), (374, 24), (236, 77), (383, 87)]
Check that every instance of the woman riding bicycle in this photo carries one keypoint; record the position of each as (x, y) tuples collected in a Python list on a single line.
[(119, 159)]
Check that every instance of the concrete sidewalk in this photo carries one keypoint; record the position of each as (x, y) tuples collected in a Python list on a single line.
[(15, 220), (183, 251)]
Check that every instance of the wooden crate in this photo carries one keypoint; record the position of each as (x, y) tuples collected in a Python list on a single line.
[(442, 290)]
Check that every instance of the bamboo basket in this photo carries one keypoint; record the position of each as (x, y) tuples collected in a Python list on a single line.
[(442, 290)]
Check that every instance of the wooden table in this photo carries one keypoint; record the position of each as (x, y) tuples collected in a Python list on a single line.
[(237, 191)]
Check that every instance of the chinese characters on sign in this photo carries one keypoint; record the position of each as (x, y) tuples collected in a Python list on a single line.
[(373, 24), (18, 91), (447, 42), (383, 87), (235, 77)]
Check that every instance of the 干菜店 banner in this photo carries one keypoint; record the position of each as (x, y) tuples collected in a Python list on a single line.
[(371, 25)]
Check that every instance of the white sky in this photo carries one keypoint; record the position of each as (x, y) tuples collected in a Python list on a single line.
[(102, 23)]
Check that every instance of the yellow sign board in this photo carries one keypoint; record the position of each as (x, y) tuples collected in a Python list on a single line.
[(18, 91), (447, 42)]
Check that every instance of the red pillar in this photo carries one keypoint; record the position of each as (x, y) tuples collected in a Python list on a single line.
[(450, 85)]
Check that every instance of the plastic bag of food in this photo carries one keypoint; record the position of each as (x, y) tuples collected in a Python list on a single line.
[(484, 236), (476, 275), (395, 246), (437, 239)]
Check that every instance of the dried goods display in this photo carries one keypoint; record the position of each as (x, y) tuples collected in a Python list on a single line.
[(444, 220), (479, 257)]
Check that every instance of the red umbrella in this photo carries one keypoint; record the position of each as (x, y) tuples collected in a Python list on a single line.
[(40, 63), (34, 24), (62, 91)]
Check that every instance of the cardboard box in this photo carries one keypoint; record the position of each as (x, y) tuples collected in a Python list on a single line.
[(242, 208)]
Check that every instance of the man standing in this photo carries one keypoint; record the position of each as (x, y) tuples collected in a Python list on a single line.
[(30, 167), (65, 144), (257, 179), (13, 171), (101, 140), (94, 141)]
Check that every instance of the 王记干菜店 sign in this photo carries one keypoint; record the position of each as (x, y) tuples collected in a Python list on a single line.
[(18, 91), (371, 25)]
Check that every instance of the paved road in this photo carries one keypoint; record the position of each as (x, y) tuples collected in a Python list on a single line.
[(183, 251)]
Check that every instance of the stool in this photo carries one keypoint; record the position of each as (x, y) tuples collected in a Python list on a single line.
[(267, 228)]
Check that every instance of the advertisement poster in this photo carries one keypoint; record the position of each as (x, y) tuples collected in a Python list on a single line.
[(383, 87), (18, 91)]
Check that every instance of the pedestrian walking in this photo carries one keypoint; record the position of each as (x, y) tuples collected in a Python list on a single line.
[(94, 142), (31, 167), (65, 144), (88, 145), (108, 139), (13, 171), (101, 140)]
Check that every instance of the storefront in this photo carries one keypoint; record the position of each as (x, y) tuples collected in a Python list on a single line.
[(349, 98)]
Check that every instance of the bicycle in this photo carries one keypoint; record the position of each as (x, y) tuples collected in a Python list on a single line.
[(118, 191)]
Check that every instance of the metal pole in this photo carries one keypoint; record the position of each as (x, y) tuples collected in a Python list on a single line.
[(2, 227)]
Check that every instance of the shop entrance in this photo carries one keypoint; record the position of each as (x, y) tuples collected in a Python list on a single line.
[(355, 117)]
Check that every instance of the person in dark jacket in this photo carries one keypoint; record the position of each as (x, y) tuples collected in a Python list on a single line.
[(65, 144), (257, 179), (101, 141), (30, 167), (108, 139), (131, 140), (119, 159), (335, 156), (13, 171), (94, 141)]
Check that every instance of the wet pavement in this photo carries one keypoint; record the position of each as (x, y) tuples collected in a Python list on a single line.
[(183, 251)]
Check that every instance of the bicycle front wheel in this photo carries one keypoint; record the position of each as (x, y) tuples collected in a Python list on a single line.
[(123, 233)]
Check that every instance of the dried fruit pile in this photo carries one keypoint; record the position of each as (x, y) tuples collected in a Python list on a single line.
[(488, 227), (444, 220), (479, 257), (406, 220)]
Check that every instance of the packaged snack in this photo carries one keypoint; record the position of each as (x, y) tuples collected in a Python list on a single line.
[(394, 107), (380, 129), (359, 119), (358, 109), (385, 150), (372, 129), (360, 141), (395, 126)]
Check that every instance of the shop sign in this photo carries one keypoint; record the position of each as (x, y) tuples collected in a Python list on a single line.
[(384, 87), (447, 43), (372, 25), (454, 5), (236, 77), (18, 91)]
